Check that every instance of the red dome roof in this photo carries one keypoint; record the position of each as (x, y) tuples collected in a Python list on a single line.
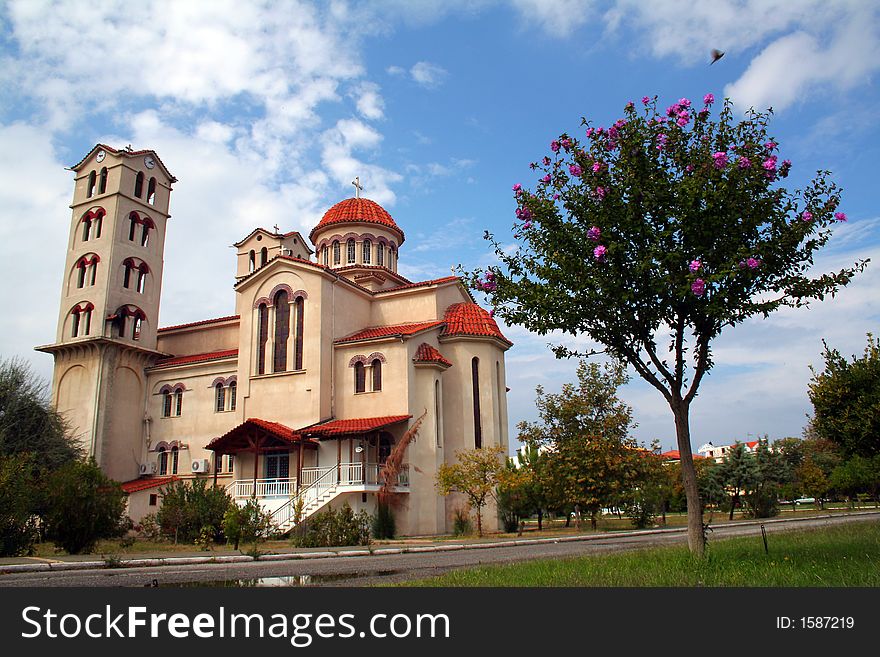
[(357, 210), (469, 319)]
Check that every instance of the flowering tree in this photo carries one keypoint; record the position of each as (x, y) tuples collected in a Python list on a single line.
[(654, 234)]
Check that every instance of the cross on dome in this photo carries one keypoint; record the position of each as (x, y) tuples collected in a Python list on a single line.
[(358, 188)]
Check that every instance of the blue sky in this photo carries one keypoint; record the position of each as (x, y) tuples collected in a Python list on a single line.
[(266, 111)]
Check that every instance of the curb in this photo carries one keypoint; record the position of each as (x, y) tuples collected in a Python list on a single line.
[(297, 556)]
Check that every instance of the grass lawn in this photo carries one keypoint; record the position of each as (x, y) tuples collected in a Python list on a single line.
[(837, 556)]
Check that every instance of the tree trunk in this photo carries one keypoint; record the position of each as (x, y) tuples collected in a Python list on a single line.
[(540, 520), (696, 537), (733, 503), (479, 522)]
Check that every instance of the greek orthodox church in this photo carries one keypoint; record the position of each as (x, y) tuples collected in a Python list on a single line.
[(330, 359)]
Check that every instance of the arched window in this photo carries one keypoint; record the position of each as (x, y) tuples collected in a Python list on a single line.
[(437, 412), (282, 331), (134, 221), (102, 186), (326, 256), (175, 455), (81, 275), (136, 327), (142, 278), (233, 389), (264, 256), (178, 402), (163, 460), (145, 235), (166, 403), (367, 252), (151, 192), (360, 377), (262, 338), (93, 270), (377, 375), (219, 398), (87, 227), (99, 219), (351, 251), (91, 190), (86, 321), (74, 329), (300, 307), (336, 254), (392, 258), (380, 254), (478, 426), (230, 462), (128, 265), (252, 260), (139, 184)]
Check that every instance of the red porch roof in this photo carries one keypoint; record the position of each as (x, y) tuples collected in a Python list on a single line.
[(358, 425), (197, 358), (428, 354), (396, 331), (254, 429), (136, 485)]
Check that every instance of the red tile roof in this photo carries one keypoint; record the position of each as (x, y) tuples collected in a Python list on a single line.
[(357, 210), (675, 455), (136, 485), (197, 358), (358, 425), (396, 331), (235, 439), (428, 354), (203, 322), (436, 281), (470, 319)]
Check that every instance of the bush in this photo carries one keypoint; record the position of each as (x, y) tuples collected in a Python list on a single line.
[(384, 525), (188, 507), (334, 528), (461, 523), (18, 491), (148, 528), (246, 523), (83, 505)]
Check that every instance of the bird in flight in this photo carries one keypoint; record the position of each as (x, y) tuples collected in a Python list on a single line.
[(716, 55)]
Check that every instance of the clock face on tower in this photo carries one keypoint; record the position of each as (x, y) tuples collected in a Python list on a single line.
[(100, 156), (149, 162)]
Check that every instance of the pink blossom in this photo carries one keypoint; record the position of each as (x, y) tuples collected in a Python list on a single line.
[(630, 105), (645, 100), (753, 263), (785, 168), (770, 145), (744, 163), (590, 132), (840, 216), (695, 265), (599, 253), (492, 312), (556, 197), (594, 233), (806, 215), (523, 213), (684, 102), (566, 143), (554, 146), (527, 224), (597, 166), (698, 287), (600, 193), (720, 159), (546, 179), (770, 164), (689, 168), (517, 187), (708, 99), (575, 170), (546, 161), (661, 141)]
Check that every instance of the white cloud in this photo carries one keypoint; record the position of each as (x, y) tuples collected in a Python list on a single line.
[(338, 145), (428, 75), (369, 102), (556, 17)]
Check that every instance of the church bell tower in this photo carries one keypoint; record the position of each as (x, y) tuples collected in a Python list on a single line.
[(110, 291)]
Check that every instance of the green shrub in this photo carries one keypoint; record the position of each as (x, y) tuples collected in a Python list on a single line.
[(246, 523), (18, 493), (334, 528), (148, 528), (83, 505), (384, 525), (188, 507), (461, 522)]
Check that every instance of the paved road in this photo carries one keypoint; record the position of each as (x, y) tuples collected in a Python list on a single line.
[(367, 570)]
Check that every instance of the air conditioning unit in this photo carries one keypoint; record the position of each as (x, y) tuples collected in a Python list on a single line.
[(148, 468), (200, 465)]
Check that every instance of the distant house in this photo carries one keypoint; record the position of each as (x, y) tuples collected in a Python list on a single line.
[(674, 456), (719, 452)]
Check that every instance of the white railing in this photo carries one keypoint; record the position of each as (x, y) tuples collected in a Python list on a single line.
[(264, 488)]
